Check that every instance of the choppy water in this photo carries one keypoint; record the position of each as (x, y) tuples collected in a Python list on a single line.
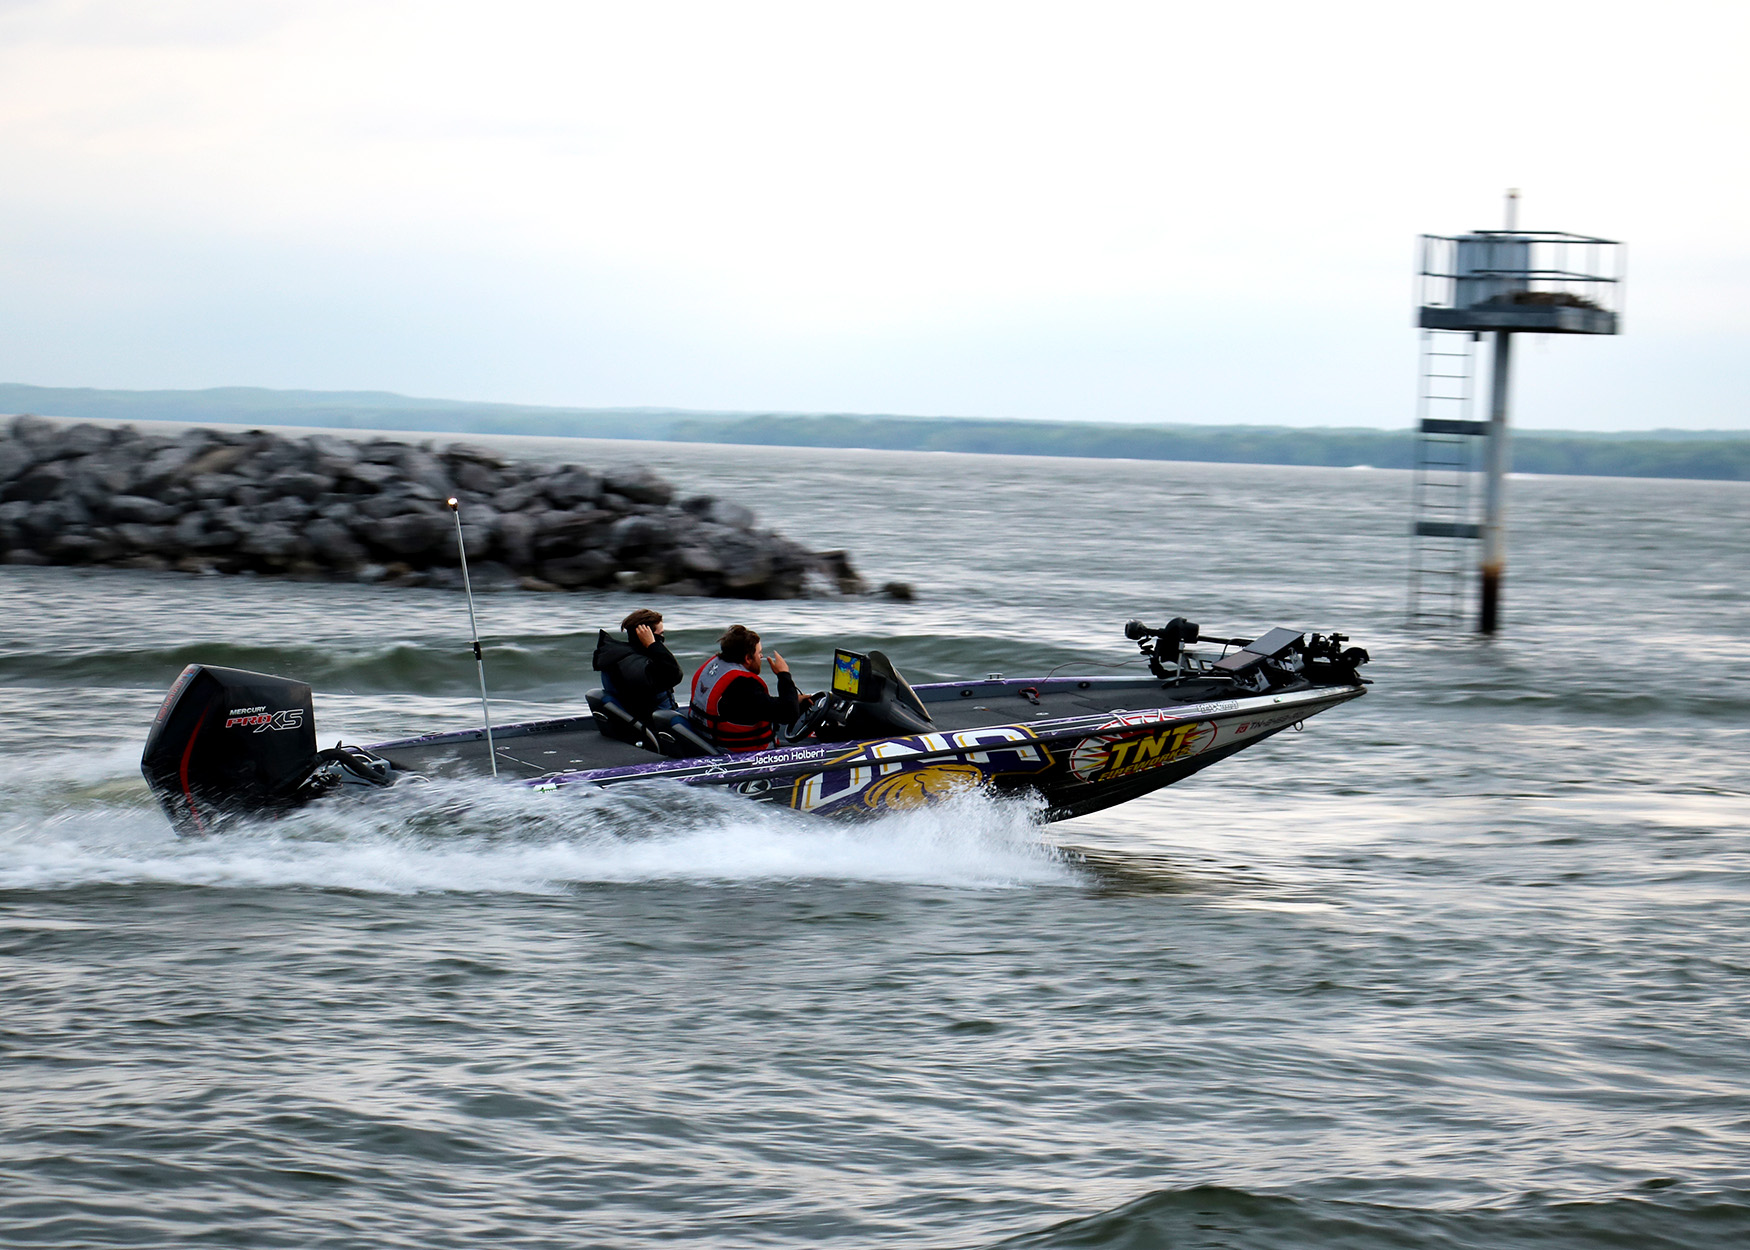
[(1465, 964)]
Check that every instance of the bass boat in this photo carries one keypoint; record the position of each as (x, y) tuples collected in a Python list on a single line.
[(228, 743)]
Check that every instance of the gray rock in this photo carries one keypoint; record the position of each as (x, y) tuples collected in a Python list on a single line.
[(142, 510), (516, 538), (491, 575), (215, 485), (333, 544), (837, 565), (238, 517), (289, 508), (332, 447), (422, 490), (381, 507), (633, 534), (410, 534), (372, 476), (479, 530), (217, 460), (163, 466), (97, 479), (588, 568), (273, 541), (189, 531), (39, 483), (421, 466), (479, 479), (84, 439), (722, 512), (571, 530), (74, 512), (746, 564), (475, 453), (639, 485), (16, 458), (517, 498), (699, 560), (155, 538), (305, 485), (217, 539), (573, 487), (81, 548), (25, 424)]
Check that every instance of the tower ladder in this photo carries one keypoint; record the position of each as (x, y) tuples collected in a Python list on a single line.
[(1444, 523)]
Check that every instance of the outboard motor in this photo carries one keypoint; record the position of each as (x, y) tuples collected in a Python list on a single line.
[(227, 742)]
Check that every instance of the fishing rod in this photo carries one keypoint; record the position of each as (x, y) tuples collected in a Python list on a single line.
[(474, 628)]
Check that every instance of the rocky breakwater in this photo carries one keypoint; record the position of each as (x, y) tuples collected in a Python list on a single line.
[(326, 507)]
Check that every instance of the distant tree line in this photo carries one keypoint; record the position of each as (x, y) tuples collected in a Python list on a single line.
[(1662, 453), (1722, 457)]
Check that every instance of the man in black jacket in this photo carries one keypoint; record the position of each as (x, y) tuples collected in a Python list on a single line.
[(639, 673)]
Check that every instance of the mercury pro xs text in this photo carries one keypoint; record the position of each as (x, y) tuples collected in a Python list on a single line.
[(229, 743)]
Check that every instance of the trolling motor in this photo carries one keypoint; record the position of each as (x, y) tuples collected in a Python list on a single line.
[(1169, 643), (1285, 650)]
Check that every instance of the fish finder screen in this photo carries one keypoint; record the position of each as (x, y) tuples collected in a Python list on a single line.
[(847, 672)]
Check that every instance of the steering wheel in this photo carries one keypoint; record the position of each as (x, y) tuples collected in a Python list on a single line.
[(810, 720)]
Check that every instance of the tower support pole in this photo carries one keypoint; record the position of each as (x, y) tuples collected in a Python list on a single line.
[(1494, 564)]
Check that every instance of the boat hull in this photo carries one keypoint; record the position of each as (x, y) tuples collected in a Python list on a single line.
[(1076, 765)]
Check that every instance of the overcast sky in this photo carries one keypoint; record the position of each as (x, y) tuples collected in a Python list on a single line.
[(1107, 211)]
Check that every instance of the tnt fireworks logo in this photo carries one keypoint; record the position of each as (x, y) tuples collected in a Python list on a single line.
[(1119, 755), (260, 720)]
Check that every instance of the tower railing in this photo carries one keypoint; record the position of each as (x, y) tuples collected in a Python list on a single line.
[(1540, 281)]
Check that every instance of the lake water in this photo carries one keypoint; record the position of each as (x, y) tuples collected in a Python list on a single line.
[(1466, 963)]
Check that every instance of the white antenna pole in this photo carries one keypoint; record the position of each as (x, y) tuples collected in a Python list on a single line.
[(474, 628), (1512, 208)]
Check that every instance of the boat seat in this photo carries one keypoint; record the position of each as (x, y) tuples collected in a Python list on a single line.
[(683, 740), (616, 722)]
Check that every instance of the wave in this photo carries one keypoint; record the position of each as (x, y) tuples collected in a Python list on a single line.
[(87, 827), (525, 665), (1659, 1216)]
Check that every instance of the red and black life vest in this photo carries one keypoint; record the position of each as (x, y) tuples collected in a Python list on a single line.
[(710, 683)]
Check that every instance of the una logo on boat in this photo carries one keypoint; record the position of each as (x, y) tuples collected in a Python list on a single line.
[(888, 775), (1109, 756)]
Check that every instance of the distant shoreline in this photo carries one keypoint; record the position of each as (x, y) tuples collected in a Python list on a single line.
[(1692, 454)]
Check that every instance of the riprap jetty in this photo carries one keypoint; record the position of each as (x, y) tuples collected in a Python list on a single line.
[(322, 507)]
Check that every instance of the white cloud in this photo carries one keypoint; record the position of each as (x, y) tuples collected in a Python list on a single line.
[(909, 206)]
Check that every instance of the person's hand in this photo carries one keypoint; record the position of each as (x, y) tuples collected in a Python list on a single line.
[(777, 662), (645, 635)]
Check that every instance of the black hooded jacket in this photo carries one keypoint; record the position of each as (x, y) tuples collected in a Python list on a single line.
[(639, 677)]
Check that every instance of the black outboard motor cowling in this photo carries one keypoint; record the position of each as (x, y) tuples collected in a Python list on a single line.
[(227, 742)]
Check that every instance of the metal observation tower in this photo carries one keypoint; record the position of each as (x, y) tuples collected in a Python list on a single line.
[(1499, 283)]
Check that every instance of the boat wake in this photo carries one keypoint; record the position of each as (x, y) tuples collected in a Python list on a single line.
[(88, 822)]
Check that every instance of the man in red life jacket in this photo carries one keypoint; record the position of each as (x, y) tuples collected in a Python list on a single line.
[(730, 700)]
